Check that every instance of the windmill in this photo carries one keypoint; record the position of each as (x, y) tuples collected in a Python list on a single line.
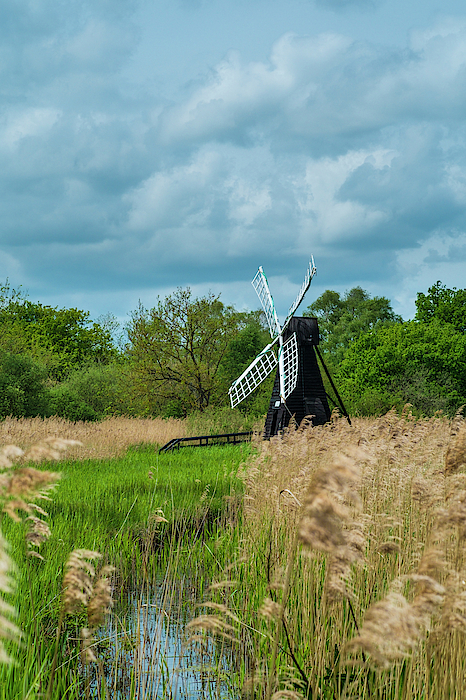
[(298, 388)]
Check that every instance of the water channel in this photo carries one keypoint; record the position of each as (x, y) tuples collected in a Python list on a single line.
[(148, 654)]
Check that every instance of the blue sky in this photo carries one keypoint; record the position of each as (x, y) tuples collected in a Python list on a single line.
[(149, 145)]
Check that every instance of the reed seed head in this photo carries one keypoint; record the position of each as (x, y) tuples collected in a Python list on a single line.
[(221, 585), (454, 610), (87, 642), (341, 561), (454, 513), (8, 454), (100, 602), (214, 625), (77, 581), (324, 510), (393, 627), (389, 548), (321, 523), (270, 609), (49, 449), (157, 517), (221, 608), (429, 598), (427, 492), (38, 532), (27, 482), (8, 630), (24, 484), (389, 631), (432, 561), (455, 457)]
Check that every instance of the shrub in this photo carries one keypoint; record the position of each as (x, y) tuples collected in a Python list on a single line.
[(422, 363), (105, 388), (65, 402), (22, 386)]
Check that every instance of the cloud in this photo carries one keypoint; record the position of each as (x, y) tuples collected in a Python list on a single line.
[(346, 149), (327, 90), (238, 102), (441, 256)]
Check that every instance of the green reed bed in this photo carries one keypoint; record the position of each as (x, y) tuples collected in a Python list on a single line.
[(118, 507)]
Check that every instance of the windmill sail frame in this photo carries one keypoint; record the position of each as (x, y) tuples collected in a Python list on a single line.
[(298, 389), (261, 287), (310, 272), (266, 361), (258, 370), (290, 365)]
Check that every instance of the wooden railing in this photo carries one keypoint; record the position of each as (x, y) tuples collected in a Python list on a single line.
[(204, 440)]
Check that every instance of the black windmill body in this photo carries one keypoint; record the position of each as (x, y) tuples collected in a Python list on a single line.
[(308, 398), (298, 390)]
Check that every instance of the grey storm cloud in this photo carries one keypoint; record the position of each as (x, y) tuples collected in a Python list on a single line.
[(341, 148)]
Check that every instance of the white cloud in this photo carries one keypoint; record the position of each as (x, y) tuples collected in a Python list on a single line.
[(326, 85), (325, 216), (335, 147), (169, 198), (248, 200), (442, 256), (30, 122), (12, 268), (239, 96)]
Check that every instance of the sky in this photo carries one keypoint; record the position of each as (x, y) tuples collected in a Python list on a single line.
[(147, 145)]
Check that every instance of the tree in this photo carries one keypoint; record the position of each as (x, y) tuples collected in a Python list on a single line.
[(445, 304), (343, 319), (177, 349), (22, 386), (93, 392), (65, 339), (244, 347), (422, 363)]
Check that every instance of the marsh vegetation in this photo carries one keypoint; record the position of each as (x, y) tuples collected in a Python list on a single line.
[(328, 563)]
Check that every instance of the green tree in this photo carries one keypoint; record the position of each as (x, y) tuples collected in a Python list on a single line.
[(422, 363), (67, 403), (342, 319), (445, 304), (93, 392), (243, 348), (177, 349), (22, 386), (63, 338)]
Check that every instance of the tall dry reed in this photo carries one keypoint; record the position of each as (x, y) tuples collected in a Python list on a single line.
[(356, 539), (108, 438)]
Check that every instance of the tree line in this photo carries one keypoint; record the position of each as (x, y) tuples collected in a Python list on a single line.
[(181, 356)]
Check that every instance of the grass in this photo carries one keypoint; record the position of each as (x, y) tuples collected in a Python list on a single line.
[(113, 506)]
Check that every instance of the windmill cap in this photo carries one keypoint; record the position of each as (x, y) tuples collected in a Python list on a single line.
[(306, 329)]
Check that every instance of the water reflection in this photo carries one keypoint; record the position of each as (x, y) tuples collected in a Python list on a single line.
[(149, 654)]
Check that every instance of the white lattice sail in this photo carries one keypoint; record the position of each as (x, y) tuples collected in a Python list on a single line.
[(266, 362), (311, 270), (254, 375), (290, 365), (263, 292)]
